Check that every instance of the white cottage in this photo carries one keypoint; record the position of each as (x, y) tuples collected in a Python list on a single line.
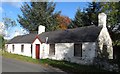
[(79, 45), (21, 45)]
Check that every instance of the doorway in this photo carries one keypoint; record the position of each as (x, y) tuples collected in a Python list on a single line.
[(37, 51)]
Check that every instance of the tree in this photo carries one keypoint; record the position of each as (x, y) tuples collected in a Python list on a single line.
[(2, 28), (38, 13), (5, 25), (8, 23), (88, 17), (112, 9), (63, 22), (78, 21), (92, 13)]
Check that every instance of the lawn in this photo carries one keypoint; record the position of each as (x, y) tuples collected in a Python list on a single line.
[(63, 65)]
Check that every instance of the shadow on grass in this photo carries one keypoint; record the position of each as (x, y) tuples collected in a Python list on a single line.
[(71, 67)]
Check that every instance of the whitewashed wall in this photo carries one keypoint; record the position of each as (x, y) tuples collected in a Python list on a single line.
[(65, 51), (34, 48), (17, 49), (88, 53), (104, 37), (8, 47), (44, 49)]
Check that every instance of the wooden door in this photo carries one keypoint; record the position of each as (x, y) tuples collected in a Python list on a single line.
[(37, 51)]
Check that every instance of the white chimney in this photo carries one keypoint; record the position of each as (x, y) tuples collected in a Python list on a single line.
[(41, 29), (102, 19)]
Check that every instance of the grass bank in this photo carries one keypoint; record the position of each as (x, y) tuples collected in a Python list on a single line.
[(63, 65)]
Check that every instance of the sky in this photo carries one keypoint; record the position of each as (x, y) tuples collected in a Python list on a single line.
[(12, 9)]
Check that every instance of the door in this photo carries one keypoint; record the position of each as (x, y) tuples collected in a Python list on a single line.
[(37, 51)]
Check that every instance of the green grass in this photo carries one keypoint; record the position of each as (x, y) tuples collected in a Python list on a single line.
[(19, 57), (63, 65), (71, 67)]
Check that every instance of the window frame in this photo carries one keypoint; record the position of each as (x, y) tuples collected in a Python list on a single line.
[(52, 50), (78, 45)]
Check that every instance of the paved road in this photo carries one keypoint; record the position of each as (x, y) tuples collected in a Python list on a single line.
[(12, 65)]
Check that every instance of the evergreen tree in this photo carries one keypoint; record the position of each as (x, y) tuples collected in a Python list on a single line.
[(38, 13), (88, 17), (92, 13), (78, 22)]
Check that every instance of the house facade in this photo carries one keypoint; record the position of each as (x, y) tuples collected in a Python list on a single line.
[(79, 45), (21, 45)]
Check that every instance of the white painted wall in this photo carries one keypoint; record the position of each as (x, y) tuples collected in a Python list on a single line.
[(104, 37), (65, 51), (34, 48), (44, 49), (88, 50), (17, 49), (8, 47)]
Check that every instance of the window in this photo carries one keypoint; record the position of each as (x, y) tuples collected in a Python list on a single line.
[(78, 50), (22, 48), (52, 49), (13, 47)]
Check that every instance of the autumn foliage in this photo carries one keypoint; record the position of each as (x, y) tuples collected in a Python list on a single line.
[(63, 22)]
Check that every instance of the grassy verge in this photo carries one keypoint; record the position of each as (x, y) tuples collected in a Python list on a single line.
[(63, 65)]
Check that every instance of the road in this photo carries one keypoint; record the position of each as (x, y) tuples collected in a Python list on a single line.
[(12, 65)]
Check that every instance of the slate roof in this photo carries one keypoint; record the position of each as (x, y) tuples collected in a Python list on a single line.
[(82, 34), (28, 38)]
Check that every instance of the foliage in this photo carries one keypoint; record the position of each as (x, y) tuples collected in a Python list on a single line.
[(38, 13), (2, 28), (2, 42), (78, 21), (88, 17), (63, 22), (113, 11), (8, 22), (92, 13)]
